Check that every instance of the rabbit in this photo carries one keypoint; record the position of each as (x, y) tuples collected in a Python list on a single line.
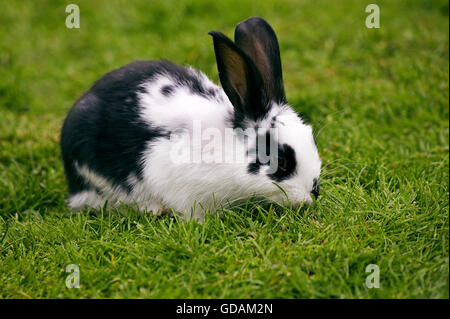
[(118, 138)]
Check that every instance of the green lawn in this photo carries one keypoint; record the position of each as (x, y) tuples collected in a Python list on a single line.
[(377, 98)]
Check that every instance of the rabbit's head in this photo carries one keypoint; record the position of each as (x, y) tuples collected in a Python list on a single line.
[(251, 76)]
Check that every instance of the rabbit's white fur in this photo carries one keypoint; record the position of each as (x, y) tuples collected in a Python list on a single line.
[(166, 183)]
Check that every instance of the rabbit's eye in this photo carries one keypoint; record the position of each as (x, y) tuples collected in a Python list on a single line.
[(286, 163), (282, 164)]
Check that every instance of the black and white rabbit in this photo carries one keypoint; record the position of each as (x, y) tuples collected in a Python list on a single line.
[(118, 139)]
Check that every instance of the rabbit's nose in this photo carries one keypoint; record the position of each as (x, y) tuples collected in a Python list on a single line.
[(316, 188)]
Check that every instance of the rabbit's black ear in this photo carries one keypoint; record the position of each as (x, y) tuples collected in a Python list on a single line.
[(258, 40), (240, 79)]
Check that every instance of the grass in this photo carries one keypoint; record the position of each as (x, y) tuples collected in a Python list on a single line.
[(379, 102)]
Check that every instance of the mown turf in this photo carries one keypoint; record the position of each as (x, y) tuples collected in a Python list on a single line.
[(378, 99)]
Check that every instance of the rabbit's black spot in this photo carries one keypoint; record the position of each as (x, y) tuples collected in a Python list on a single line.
[(212, 92), (167, 90), (253, 168), (316, 188), (272, 122), (184, 77), (286, 164)]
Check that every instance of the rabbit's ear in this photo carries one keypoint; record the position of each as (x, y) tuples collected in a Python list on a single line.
[(257, 39), (240, 79)]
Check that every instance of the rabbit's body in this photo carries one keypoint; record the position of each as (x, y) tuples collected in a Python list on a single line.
[(118, 140)]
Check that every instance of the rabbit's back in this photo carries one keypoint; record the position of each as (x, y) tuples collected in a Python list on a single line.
[(111, 127)]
